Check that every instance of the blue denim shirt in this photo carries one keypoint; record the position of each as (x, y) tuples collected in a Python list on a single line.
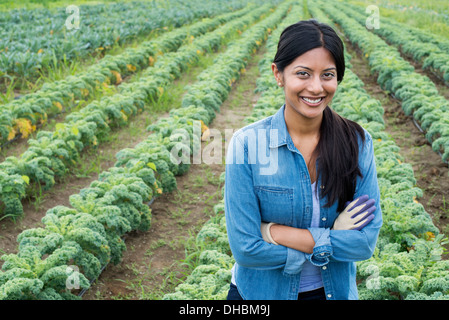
[(267, 180)]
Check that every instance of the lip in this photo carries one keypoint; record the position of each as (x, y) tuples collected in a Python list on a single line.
[(312, 98)]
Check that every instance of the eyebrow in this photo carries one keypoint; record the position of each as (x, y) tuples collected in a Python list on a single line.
[(332, 68)]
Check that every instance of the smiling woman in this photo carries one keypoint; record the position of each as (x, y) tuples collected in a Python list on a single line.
[(297, 232), (312, 78)]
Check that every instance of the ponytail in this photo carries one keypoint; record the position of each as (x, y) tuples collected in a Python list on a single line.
[(337, 152)]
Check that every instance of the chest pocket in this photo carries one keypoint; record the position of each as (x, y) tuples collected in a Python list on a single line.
[(276, 204)]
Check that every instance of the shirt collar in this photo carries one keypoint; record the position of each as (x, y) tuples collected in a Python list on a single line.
[(278, 132)]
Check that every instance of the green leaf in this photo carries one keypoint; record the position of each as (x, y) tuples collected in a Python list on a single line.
[(59, 126), (26, 179), (152, 165), (75, 131)]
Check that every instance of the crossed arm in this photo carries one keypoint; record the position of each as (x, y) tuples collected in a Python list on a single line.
[(355, 216)]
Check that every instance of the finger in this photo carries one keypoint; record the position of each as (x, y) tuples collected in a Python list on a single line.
[(361, 224), (360, 200), (363, 213), (363, 206)]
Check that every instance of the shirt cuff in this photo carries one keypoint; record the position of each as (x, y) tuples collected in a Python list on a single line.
[(295, 261), (322, 249)]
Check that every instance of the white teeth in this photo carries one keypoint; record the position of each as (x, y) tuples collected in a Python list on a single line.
[(312, 101)]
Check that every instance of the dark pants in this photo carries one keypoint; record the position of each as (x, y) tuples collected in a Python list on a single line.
[(317, 294)]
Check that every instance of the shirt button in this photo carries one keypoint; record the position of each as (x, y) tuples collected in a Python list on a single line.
[(329, 295), (324, 268), (322, 253), (324, 219)]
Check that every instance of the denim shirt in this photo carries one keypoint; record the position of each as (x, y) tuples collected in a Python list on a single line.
[(267, 180)]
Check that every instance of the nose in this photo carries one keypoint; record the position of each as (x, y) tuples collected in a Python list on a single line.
[(315, 86)]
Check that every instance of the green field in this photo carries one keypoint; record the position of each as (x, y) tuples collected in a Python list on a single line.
[(94, 99)]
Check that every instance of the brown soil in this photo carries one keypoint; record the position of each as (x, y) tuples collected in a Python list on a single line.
[(431, 172), (154, 260), (93, 161), (153, 263)]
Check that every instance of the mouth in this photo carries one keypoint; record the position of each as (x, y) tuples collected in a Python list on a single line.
[(312, 101)]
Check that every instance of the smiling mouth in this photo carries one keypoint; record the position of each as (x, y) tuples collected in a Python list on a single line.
[(312, 101)]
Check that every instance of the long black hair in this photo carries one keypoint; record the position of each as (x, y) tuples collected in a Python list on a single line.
[(337, 150)]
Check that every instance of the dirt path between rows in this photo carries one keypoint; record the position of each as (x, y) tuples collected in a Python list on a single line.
[(92, 162), (155, 261), (431, 172)]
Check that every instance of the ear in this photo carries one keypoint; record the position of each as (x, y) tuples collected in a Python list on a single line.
[(277, 74)]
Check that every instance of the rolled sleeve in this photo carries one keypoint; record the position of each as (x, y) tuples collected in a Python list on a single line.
[(322, 251), (295, 261)]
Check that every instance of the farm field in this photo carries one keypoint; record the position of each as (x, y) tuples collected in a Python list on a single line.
[(97, 109)]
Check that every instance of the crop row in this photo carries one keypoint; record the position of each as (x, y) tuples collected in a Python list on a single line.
[(407, 261), (76, 242), (35, 40), (211, 277), (51, 154), (23, 116), (418, 95), (426, 48)]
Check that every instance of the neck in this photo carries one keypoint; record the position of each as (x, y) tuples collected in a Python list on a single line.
[(300, 126)]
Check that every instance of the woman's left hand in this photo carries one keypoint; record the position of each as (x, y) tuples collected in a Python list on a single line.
[(356, 215)]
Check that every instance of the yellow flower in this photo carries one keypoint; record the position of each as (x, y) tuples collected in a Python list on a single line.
[(203, 126), (85, 92), (118, 77), (124, 116), (58, 105), (131, 67), (11, 134), (429, 235), (24, 126)]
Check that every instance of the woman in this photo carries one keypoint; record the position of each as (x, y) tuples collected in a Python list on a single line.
[(299, 221)]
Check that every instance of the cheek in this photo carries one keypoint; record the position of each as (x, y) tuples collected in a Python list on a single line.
[(294, 86), (331, 87)]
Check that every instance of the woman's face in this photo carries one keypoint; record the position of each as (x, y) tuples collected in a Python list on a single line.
[(309, 82)]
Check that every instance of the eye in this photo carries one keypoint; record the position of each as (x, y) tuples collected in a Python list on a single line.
[(329, 75), (302, 73)]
